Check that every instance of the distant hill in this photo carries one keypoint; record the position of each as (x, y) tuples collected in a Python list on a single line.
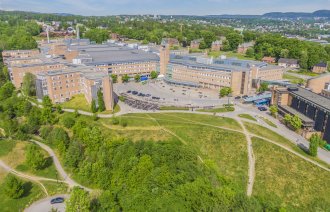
[(319, 13)]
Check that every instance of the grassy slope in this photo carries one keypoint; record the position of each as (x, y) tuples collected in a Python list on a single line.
[(13, 154), (296, 182), (266, 133)]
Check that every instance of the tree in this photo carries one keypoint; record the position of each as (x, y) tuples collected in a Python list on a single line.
[(320, 141), (35, 158), (263, 87), (6, 91), (125, 78), (137, 78), (273, 110), (29, 84), (250, 52), (225, 91), (100, 101), (97, 35), (313, 145), (79, 201), (153, 74), (93, 106), (68, 121), (114, 78), (47, 102), (287, 118), (13, 187), (296, 122), (234, 40)]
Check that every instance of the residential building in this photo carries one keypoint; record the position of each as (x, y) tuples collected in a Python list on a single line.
[(320, 68), (270, 60), (317, 84), (170, 41), (242, 48), (62, 85), (216, 45), (312, 108), (288, 63), (195, 44)]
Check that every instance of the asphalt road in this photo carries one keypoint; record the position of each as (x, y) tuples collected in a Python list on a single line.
[(45, 206)]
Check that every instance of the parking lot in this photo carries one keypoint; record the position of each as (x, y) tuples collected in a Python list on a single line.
[(162, 93)]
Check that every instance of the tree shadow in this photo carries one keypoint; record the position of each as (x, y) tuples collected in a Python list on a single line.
[(27, 189), (48, 163), (303, 148)]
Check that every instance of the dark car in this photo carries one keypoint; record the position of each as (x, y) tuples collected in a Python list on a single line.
[(57, 200), (135, 92), (262, 108), (245, 96), (129, 91), (148, 95), (237, 97)]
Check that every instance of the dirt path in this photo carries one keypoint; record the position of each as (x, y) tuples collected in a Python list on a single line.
[(59, 167), (251, 159)]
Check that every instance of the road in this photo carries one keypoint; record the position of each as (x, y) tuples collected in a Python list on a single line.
[(45, 206)]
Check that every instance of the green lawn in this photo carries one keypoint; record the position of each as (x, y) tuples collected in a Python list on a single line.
[(54, 188), (286, 178), (173, 108), (217, 110), (6, 146), (304, 72), (13, 154), (79, 102), (229, 54), (268, 122), (269, 134), (293, 79), (247, 116), (32, 193)]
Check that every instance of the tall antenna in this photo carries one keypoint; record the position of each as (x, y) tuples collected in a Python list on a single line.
[(77, 31), (47, 32)]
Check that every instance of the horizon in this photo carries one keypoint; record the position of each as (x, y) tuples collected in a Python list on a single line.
[(170, 7)]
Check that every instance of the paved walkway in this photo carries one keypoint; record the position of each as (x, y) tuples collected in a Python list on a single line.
[(44, 205)]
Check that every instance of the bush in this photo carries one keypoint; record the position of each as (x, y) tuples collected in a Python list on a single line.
[(13, 187), (122, 98), (45, 131), (68, 121), (123, 123), (115, 121)]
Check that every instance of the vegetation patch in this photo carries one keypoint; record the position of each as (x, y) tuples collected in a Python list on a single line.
[(268, 121), (217, 110), (289, 180), (173, 108), (247, 116)]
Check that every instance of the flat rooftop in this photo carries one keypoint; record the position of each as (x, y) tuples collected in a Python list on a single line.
[(303, 118), (112, 54), (230, 64), (316, 99)]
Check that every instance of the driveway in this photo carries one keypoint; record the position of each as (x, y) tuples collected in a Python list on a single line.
[(45, 206)]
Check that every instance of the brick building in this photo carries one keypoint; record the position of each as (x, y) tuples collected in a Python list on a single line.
[(61, 85)]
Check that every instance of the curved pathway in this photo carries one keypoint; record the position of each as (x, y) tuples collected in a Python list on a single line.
[(59, 167)]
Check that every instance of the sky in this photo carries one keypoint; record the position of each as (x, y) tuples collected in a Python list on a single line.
[(168, 7)]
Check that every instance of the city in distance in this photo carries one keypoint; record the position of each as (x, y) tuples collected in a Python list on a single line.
[(174, 106)]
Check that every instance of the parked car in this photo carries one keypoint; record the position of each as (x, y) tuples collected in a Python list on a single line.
[(237, 97), (135, 92), (245, 96), (57, 200), (129, 91), (262, 108)]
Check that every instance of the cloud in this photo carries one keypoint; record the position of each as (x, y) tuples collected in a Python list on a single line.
[(196, 7)]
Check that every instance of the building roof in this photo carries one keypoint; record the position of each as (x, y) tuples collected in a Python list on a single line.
[(292, 111), (322, 64), (112, 54), (288, 61), (320, 101), (230, 64)]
